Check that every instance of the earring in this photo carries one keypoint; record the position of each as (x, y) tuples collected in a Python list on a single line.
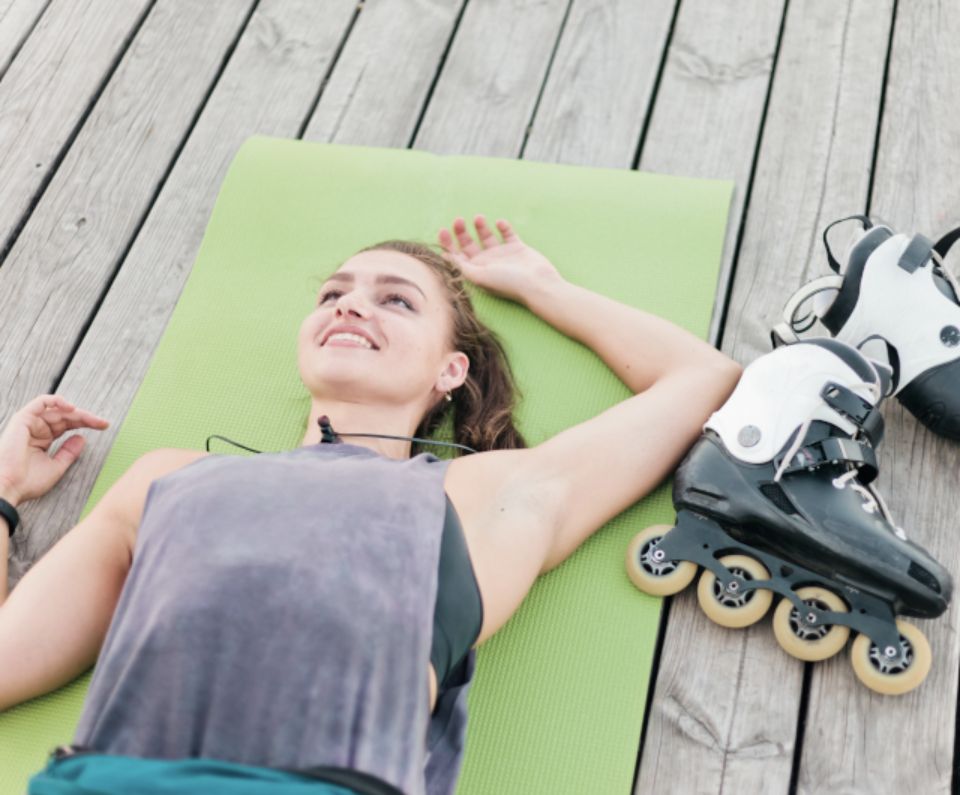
[(447, 397)]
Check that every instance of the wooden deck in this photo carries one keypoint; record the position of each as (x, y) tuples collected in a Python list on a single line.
[(118, 119)]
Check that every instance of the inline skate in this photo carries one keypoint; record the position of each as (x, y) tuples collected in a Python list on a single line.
[(892, 298), (774, 498)]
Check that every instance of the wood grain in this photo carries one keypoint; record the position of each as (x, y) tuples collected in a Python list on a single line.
[(706, 721), (43, 97), (487, 91), (384, 74), (857, 741), (17, 18), (601, 83)]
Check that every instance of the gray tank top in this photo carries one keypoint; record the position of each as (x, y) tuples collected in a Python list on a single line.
[(279, 612)]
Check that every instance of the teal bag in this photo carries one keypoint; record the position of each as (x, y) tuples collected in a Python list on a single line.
[(109, 774)]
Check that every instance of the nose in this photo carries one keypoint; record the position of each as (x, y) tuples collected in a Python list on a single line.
[(350, 303)]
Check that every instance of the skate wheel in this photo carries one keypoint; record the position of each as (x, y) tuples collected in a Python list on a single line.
[(900, 674), (658, 578), (735, 609), (807, 642)]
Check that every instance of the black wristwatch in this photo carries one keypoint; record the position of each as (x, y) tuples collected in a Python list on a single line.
[(8, 512)]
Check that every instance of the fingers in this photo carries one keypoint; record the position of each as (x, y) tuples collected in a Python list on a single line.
[(467, 244), (52, 414), (487, 237), (507, 231)]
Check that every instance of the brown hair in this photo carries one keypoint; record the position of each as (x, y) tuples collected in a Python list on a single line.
[(481, 411)]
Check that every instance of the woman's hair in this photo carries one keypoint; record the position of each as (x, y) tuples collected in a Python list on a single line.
[(481, 411)]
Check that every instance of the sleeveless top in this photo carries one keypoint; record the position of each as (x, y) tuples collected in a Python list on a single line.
[(278, 612)]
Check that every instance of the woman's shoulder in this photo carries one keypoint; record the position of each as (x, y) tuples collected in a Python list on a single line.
[(128, 495)]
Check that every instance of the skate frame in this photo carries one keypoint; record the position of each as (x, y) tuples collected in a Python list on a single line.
[(702, 541)]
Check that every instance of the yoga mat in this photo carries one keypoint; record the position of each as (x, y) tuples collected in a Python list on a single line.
[(558, 700)]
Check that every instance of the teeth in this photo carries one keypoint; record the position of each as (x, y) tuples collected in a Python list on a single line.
[(343, 335)]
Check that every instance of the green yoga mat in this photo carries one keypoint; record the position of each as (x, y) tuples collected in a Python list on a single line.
[(557, 704)]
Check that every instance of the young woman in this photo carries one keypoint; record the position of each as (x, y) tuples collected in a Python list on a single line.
[(309, 617)]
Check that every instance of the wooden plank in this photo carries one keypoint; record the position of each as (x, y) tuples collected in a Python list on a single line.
[(17, 18), (384, 74), (851, 731), (600, 85), (268, 87), (43, 98), (705, 124), (488, 89), (66, 255), (813, 167)]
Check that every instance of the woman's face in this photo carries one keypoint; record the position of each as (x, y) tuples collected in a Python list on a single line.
[(380, 332)]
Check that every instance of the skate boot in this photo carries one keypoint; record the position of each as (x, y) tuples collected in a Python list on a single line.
[(892, 298), (775, 498)]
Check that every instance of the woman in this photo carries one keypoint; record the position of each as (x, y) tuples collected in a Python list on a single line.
[(239, 540)]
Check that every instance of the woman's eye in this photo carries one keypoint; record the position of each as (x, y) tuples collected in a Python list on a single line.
[(395, 298), (328, 295)]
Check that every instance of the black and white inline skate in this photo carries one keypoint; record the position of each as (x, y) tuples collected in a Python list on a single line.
[(891, 297), (774, 498)]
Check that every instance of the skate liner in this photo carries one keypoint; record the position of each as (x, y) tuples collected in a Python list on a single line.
[(776, 498)]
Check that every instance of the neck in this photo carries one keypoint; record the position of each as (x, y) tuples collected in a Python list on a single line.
[(346, 418)]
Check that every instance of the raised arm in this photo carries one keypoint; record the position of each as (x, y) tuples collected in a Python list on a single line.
[(589, 473)]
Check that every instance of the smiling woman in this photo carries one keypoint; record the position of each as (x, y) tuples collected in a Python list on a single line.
[(408, 302), (366, 575)]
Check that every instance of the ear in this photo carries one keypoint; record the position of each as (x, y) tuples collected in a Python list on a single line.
[(454, 372)]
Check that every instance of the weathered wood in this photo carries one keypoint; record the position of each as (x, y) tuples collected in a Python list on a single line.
[(384, 74), (66, 254), (268, 87), (599, 88), (705, 124), (857, 741), (813, 167), (17, 18), (43, 98), (488, 89)]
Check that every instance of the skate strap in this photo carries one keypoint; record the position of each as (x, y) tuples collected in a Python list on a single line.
[(945, 243), (834, 450), (860, 412), (916, 254), (795, 311), (834, 264)]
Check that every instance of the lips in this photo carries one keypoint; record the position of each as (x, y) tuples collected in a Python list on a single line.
[(349, 336)]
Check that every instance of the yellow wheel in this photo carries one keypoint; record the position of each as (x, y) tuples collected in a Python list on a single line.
[(728, 608), (805, 641), (892, 674), (655, 576)]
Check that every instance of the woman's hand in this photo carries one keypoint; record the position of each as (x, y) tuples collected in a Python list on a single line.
[(27, 471), (508, 268)]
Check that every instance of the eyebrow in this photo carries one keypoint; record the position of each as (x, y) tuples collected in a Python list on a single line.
[(383, 278)]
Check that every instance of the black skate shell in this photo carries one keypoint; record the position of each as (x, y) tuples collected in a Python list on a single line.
[(804, 520)]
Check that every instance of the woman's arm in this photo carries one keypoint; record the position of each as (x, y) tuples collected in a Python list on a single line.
[(27, 471), (586, 475)]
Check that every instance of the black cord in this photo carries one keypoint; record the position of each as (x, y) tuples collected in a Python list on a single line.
[(329, 436)]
